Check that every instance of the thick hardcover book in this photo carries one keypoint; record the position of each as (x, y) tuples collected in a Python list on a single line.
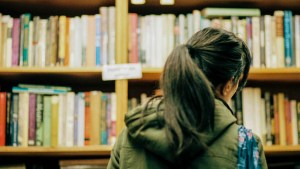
[(221, 12)]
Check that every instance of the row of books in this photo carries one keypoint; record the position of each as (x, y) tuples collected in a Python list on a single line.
[(274, 41), (275, 117), (35, 116), (88, 40)]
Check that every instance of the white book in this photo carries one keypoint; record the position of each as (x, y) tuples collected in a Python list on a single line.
[(81, 119), (182, 36), (84, 29), (30, 46), (42, 43), (241, 28), (196, 20), (0, 39), (70, 119), (62, 119), (257, 128), (8, 56), (226, 24), (190, 25), (263, 125), (268, 40), (146, 39), (205, 23), (23, 120), (159, 41), (170, 37), (297, 40), (256, 41), (78, 42), (248, 109), (274, 57), (152, 50), (294, 122), (111, 35), (104, 34)]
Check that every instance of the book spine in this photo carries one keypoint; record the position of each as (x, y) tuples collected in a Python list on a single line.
[(62, 40), (95, 117), (268, 40), (76, 120), (23, 119), (70, 119), (293, 107), (288, 46), (1, 37), (54, 40), (249, 34), (103, 124), (256, 41), (14, 120), (47, 121), (15, 41), (268, 118), (35, 40), (39, 120), (98, 39), (112, 35), (42, 42), (297, 40), (287, 113), (90, 52), (113, 130), (104, 35), (262, 42), (7, 62), (87, 114), (62, 120), (298, 121), (48, 43), (54, 120), (8, 118), (81, 119), (2, 118), (282, 119), (26, 39), (30, 47), (32, 120), (67, 43)]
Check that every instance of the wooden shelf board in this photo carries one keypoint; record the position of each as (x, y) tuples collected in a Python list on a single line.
[(278, 74), (101, 150), (52, 70), (282, 150)]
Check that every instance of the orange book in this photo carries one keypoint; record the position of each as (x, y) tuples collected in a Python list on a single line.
[(87, 113), (288, 122), (2, 118), (67, 43), (91, 39)]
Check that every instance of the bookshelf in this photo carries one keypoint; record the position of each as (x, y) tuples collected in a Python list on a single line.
[(90, 77)]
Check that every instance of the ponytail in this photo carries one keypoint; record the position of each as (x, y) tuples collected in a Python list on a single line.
[(188, 100)]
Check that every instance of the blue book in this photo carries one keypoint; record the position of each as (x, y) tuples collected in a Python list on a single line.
[(98, 39), (14, 120), (26, 39), (288, 41), (38, 90)]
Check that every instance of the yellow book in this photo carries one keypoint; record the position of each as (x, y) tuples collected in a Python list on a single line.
[(95, 117), (54, 121)]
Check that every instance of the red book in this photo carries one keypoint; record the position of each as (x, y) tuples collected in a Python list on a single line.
[(2, 118)]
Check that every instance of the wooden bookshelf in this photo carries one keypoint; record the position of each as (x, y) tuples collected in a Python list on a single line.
[(278, 74), (277, 150), (101, 150)]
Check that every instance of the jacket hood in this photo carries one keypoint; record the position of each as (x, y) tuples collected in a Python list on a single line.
[(148, 130)]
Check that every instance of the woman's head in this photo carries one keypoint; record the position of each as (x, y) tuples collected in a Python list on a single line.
[(212, 62)]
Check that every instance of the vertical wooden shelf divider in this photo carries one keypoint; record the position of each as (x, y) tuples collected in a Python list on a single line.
[(121, 57)]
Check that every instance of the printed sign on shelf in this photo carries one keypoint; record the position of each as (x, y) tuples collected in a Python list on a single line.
[(122, 71)]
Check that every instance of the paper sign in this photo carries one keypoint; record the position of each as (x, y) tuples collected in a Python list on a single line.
[(122, 71), (137, 2), (167, 2)]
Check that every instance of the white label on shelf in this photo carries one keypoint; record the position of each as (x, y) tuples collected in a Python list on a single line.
[(137, 2), (167, 2), (122, 71)]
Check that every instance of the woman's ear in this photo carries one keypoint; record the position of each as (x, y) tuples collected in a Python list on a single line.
[(227, 88)]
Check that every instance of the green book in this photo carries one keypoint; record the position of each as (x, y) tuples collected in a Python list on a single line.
[(47, 121), (223, 12)]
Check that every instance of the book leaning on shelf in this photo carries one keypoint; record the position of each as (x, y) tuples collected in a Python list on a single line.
[(81, 41), (37, 115)]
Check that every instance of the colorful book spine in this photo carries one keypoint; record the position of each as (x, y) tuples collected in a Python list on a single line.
[(14, 125), (87, 120), (98, 39), (26, 39), (23, 119), (47, 121), (15, 42), (39, 120), (288, 41), (54, 120), (103, 124), (2, 118), (32, 120)]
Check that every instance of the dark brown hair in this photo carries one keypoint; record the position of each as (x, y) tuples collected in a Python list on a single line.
[(211, 57)]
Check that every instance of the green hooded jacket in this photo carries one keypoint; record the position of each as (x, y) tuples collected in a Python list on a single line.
[(143, 144)]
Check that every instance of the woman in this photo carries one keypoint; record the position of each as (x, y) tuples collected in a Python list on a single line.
[(191, 125)]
